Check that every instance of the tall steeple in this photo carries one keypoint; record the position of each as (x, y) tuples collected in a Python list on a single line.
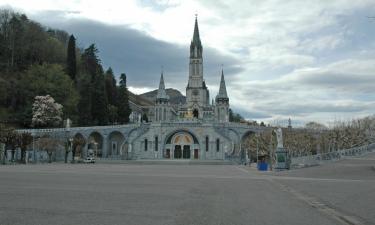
[(161, 95), (196, 48), (223, 89), (197, 95)]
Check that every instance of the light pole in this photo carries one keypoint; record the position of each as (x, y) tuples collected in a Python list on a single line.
[(96, 149), (257, 135)]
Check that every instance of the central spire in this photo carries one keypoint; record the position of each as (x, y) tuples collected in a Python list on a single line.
[(196, 39), (196, 45)]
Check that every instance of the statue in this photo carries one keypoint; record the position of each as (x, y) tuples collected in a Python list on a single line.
[(279, 137), (189, 114), (68, 122)]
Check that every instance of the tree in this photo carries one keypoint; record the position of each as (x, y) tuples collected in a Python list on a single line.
[(23, 141), (78, 143), (84, 105), (93, 86), (46, 112), (235, 117), (9, 139), (71, 58), (48, 79), (110, 87), (99, 106), (123, 101), (112, 114), (111, 91), (49, 145), (315, 126)]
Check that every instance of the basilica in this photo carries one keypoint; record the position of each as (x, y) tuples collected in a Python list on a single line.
[(197, 104), (195, 130)]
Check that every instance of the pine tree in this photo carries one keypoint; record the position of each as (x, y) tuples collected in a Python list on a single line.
[(84, 104), (111, 89), (99, 106), (92, 105), (71, 58), (123, 101), (110, 85)]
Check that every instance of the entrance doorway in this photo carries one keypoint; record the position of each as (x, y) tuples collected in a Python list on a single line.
[(196, 154), (177, 152), (186, 152), (195, 113), (168, 154)]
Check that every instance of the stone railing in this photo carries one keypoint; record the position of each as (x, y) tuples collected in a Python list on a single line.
[(58, 130), (312, 160)]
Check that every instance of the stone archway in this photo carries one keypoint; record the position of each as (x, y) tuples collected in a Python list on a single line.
[(78, 146), (181, 145), (116, 142), (195, 113), (249, 145), (95, 144)]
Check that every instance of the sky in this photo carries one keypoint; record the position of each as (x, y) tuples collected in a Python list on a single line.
[(304, 60)]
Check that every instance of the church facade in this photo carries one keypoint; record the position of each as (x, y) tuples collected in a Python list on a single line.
[(196, 130)]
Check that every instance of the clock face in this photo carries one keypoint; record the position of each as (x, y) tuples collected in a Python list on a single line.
[(195, 92)]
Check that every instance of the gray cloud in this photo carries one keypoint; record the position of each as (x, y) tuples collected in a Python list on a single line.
[(139, 55)]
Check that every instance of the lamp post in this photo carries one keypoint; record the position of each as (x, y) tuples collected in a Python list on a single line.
[(96, 149), (68, 140), (257, 135)]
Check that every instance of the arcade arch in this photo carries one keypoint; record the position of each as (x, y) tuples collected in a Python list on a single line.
[(182, 145)]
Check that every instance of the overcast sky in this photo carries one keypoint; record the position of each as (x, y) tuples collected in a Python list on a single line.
[(307, 60)]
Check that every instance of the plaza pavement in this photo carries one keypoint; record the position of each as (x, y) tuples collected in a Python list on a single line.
[(335, 193)]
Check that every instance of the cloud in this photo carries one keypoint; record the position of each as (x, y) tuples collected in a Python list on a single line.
[(141, 56), (341, 88), (309, 60)]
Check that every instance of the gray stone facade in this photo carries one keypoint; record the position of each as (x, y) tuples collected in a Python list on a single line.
[(189, 139)]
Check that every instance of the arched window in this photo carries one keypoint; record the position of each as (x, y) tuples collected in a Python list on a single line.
[(156, 143), (207, 143), (217, 144)]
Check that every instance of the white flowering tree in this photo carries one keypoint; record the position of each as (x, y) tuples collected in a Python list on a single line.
[(46, 112)]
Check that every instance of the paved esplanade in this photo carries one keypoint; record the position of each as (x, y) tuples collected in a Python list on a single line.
[(338, 193)]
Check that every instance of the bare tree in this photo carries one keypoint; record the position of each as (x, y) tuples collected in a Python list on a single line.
[(23, 141), (49, 145), (78, 143)]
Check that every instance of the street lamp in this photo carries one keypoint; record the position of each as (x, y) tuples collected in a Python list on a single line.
[(96, 149), (257, 135)]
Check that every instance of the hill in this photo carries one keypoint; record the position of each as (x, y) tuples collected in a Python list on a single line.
[(175, 96)]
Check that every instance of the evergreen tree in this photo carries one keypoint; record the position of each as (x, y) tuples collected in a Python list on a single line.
[(90, 68), (99, 106), (84, 105), (123, 101), (71, 58), (110, 85)]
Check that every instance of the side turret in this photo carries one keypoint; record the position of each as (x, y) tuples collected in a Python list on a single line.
[(162, 108), (222, 102)]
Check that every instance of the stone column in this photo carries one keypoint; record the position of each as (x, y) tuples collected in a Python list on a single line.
[(105, 146)]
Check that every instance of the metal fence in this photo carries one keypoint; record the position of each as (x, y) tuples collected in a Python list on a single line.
[(312, 160)]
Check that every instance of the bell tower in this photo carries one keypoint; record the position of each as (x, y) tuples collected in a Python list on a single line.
[(197, 94)]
